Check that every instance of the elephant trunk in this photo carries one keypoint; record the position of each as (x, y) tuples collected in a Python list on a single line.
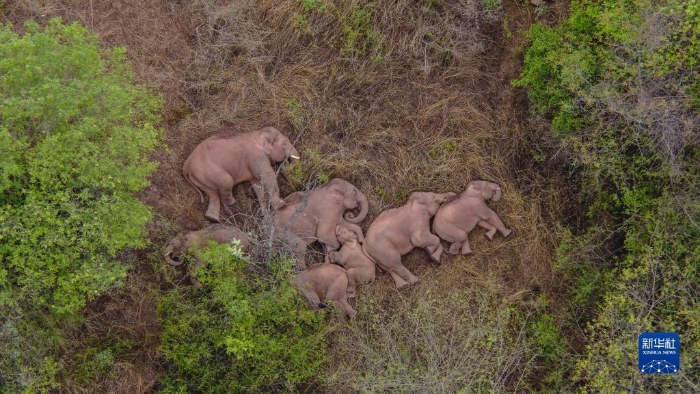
[(363, 206), (171, 259), (496, 193)]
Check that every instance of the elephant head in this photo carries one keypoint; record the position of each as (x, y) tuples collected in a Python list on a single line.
[(347, 232), (427, 202), (350, 198), (176, 247), (218, 233), (275, 145), (484, 189)]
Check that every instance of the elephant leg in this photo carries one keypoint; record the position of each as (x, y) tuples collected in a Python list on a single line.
[(455, 247), (257, 188), (312, 299), (402, 272), (337, 294), (495, 221), (214, 208), (220, 183), (452, 234), (389, 259), (398, 280), (490, 229), (226, 196), (466, 248), (352, 283), (429, 242), (268, 189), (343, 303)]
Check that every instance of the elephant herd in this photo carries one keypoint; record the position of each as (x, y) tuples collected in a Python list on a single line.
[(330, 215)]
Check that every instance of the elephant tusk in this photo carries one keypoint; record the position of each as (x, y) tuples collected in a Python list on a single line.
[(295, 157)]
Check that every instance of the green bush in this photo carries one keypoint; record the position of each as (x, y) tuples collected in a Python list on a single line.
[(619, 79), (74, 136), (243, 331)]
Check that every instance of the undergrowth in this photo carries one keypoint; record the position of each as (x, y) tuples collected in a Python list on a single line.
[(620, 84)]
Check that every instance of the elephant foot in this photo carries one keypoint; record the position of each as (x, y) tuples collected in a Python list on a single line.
[(229, 201), (490, 234), (437, 255), (507, 233), (454, 248), (400, 282), (467, 250), (212, 214)]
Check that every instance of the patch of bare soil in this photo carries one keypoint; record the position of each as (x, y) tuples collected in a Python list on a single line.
[(420, 99)]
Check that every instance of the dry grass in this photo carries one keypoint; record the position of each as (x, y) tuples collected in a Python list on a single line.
[(428, 106)]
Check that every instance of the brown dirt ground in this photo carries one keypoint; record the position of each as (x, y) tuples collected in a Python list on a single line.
[(420, 116)]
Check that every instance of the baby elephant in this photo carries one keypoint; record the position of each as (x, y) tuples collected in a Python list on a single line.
[(458, 217), (359, 267), (218, 233), (325, 282)]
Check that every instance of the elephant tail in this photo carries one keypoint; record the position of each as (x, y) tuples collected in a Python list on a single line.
[(186, 173)]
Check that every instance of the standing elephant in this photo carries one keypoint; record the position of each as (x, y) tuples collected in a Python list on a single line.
[(325, 282), (310, 216), (218, 163), (457, 218), (397, 231), (218, 233), (360, 268)]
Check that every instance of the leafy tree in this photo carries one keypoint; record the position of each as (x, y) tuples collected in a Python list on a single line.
[(243, 331), (620, 81), (74, 136)]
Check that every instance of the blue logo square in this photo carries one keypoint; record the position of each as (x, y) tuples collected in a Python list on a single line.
[(659, 352)]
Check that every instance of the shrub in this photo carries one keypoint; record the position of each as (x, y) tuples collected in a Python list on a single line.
[(73, 141), (615, 80), (243, 331)]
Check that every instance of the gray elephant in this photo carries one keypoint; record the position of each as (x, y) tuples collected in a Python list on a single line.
[(218, 163), (397, 231), (325, 282), (310, 216), (193, 240), (360, 268), (457, 218)]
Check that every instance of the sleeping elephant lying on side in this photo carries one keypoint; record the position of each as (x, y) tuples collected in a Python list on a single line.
[(360, 268), (457, 218), (185, 241), (313, 216), (325, 282), (397, 231)]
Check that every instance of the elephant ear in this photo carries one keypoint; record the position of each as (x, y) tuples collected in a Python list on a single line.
[(417, 203), (487, 192), (265, 141), (334, 193)]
